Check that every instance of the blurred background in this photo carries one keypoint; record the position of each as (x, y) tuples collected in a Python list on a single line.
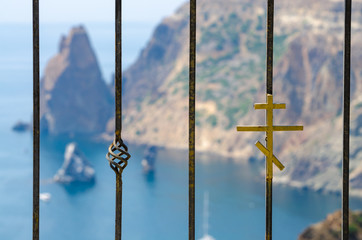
[(77, 118)]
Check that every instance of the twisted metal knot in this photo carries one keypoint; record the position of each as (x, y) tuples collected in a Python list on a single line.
[(118, 156)]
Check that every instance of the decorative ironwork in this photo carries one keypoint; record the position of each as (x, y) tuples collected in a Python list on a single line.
[(36, 120), (118, 152), (346, 118), (192, 97), (118, 156)]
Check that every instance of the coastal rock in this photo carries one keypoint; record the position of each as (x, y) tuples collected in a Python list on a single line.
[(149, 159), (76, 168), (330, 228), (21, 127), (75, 100)]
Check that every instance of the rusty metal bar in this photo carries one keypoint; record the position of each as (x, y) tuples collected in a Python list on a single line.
[(118, 99), (36, 120), (118, 155), (118, 230), (269, 47), (192, 96), (346, 118), (118, 74), (268, 209), (269, 90)]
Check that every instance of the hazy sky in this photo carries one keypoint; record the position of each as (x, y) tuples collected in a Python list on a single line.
[(87, 10)]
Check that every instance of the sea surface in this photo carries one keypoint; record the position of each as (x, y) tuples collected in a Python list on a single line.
[(155, 207)]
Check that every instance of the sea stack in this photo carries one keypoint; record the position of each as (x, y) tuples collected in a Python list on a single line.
[(76, 168), (75, 100), (149, 159)]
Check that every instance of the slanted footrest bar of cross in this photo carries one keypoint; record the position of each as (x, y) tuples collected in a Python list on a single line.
[(266, 153)]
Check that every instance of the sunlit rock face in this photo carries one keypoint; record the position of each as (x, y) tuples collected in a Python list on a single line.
[(74, 97)]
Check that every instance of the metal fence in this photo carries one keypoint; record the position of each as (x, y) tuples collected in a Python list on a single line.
[(118, 155)]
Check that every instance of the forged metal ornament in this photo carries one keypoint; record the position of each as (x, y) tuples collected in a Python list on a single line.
[(269, 129), (118, 156)]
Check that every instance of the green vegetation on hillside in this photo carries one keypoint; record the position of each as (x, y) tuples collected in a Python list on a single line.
[(231, 77)]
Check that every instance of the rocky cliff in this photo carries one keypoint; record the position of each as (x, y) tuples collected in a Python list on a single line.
[(330, 228), (74, 97), (308, 57)]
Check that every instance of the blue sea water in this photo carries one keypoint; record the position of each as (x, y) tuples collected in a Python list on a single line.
[(153, 207)]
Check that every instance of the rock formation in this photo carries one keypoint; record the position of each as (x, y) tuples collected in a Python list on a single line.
[(76, 168), (308, 56), (21, 127), (330, 228), (149, 159), (74, 97)]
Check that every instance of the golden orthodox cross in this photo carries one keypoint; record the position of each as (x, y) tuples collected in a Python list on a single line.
[(269, 129)]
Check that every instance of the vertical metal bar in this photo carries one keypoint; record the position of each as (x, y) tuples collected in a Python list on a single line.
[(118, 233), (118, 152), (269, 90), (346, 118), (269, 47), (118, 99), (268, 209), (269, 171), (118, 74), (36, 117), (192, 95)]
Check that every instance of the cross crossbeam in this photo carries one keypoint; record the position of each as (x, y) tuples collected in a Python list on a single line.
[(265, 128)]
